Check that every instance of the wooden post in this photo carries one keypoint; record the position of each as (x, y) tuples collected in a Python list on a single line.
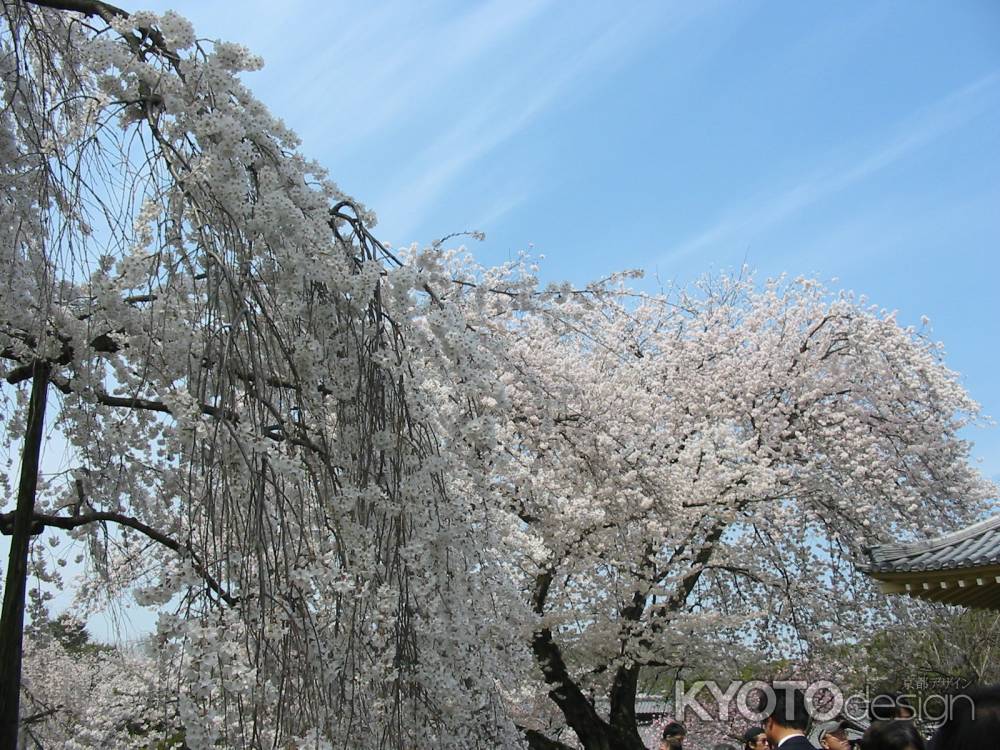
[(12, 618)]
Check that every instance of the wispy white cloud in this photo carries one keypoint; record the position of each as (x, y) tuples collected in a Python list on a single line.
[(858, 240), (381, 64), (527, 87), (380, 78), (762, 212), (503, 204)]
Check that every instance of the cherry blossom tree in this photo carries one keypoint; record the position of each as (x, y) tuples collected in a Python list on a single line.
[(103, 697), (239, 376), (705, 466), (387, 500)]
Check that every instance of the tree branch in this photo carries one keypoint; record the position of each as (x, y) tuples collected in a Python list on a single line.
[(134, 402), (87, 7), (101, 343), (41, 520)]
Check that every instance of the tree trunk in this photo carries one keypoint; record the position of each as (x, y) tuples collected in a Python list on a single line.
[(538, 741), (12, 619)]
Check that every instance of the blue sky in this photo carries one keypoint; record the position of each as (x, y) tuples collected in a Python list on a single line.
[(856, 141)]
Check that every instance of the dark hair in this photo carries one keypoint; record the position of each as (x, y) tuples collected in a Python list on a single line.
[(673, 729), (789, 709), (890, 705), (892, 734), (751, 734), (973, 722)]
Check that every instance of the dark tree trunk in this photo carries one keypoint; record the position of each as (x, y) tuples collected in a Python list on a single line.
[(12, 619), (538, 741), (621, 732)]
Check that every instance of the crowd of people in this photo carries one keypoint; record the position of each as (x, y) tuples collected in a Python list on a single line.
[(972, 724)]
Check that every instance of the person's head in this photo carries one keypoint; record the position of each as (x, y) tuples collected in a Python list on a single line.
[(673, 736), (887, 706), (833, 736), (755, 739), (891, 734), (789, 716), (973, 721)]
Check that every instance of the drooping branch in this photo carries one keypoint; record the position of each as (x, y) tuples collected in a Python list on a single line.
[(39, 521), (293, 345)]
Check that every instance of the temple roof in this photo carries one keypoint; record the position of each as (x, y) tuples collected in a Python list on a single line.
[(958, 568), (649, 705), (969, 547)]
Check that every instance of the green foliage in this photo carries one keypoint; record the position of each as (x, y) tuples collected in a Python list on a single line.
[(173, 742), (69, 631), (938, 649)]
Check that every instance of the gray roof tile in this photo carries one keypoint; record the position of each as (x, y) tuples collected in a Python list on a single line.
[(975, 546)]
